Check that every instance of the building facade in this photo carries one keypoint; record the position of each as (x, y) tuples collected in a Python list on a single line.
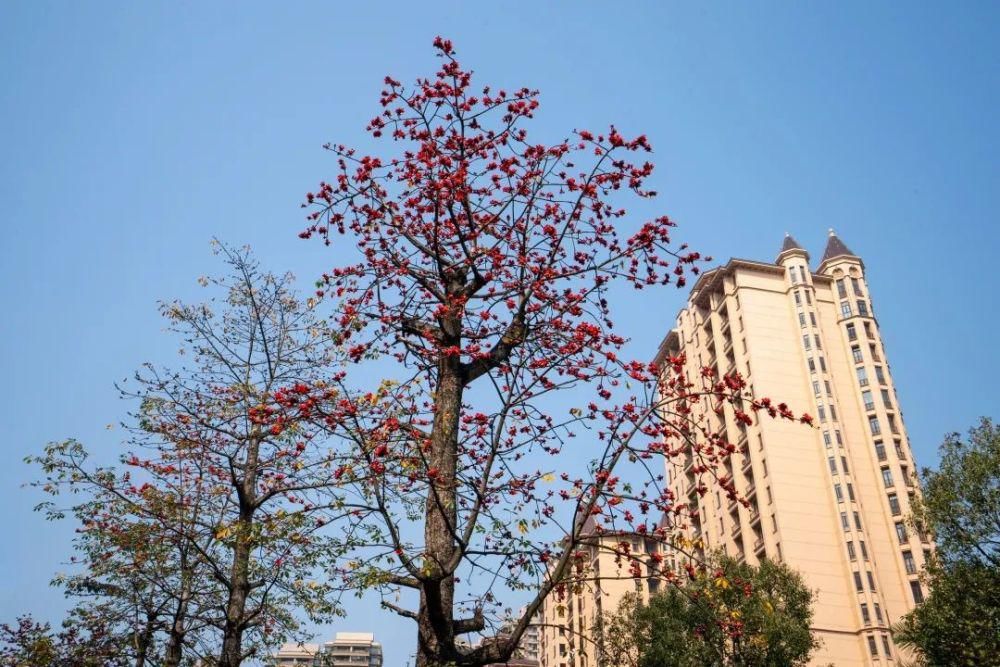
[(566, 633), (348, 649), (829, 500)]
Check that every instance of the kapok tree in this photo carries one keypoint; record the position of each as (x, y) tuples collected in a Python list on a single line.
[(483, 288)]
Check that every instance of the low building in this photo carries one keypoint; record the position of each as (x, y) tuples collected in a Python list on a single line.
[(348, 649)]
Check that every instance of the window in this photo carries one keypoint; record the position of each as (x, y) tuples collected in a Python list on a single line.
[(878, 612), (844, 522), (862, 376), (857, 520), (841, 289), (894, 504), (829, 392), (868, 331), (819, 345), (802, 319), (857, 286), (809, 298), (864, 614), (812, 318), (862, 307), (806, 342), (838, 492), (879, 375), (866, 396), (767, 490), (833, 412), (822, 413), (901, 533), (850, 491), (843, 463), (812, 365), (872, 646), (850, 551), (833, 465), (845, 310), (816, 387), (899, 449), (886, 401), (856, 353), (918, 593), (798, 298), (792, 272), (763, 467), (892, 424), (873, 424), (887, 477), (885, 645), (880, 450), (864, 549), (871, 581), (858, 586), (826, 439), (852, 334), (840, 441), (822, 364), (874, 352), (911, 566)]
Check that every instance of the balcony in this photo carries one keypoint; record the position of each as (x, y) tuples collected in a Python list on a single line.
[(747, 465), (758, 547)]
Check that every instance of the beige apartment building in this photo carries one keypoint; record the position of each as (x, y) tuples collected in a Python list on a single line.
[(566, 636), (828, 500)]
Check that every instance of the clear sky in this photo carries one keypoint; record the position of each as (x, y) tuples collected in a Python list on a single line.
[(132, 132)]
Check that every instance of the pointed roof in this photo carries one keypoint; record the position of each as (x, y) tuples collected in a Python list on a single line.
[(790, 245), (835, 248)]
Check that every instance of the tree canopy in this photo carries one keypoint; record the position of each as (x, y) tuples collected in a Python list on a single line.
[(959, 622), (727, 613)]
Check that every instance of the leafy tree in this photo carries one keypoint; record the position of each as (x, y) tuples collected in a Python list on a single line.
[(483, 287), (80, 643), (136, 571), (959, 623), (726, 614), (208, 539)]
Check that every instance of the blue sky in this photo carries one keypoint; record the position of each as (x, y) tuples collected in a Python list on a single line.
[(134, 132)]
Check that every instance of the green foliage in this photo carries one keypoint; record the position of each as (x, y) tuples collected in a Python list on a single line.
[(729, 613), (959, 623)]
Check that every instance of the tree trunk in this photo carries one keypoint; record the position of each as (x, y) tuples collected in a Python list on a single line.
[(173, 651), (143, 641), (239, 580), (435, 618)]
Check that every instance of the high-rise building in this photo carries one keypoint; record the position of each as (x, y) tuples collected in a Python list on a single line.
[(605, 574), (829, 500), (348, 649)]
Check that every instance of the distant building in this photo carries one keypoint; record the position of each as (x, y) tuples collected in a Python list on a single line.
[(296, 655), (348, 649), (566, 632)]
